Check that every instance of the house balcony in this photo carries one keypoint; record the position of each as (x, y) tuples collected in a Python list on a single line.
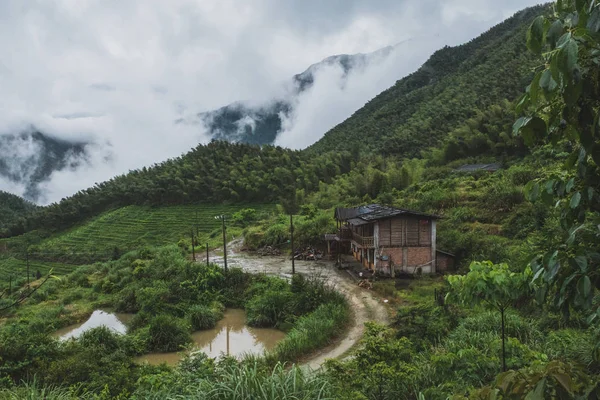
[(366, 242)]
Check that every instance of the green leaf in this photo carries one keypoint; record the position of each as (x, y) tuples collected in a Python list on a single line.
[(575, 200), (567, 57), (593, 23), (532, 130), (519, 124), (555, 31), (563, 40), (547, 82), (535, 35), (572, 92), (584, 286), (538, 392), (570, 185), (581, 262), (534, 87)]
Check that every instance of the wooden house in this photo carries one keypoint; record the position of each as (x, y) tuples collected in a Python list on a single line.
[(390, 240)]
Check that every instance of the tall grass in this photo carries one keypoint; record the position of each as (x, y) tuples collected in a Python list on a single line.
[(311, 332), (251, 381), (34, 391)]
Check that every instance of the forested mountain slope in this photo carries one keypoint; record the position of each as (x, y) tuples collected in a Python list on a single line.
[(11, 208), (452, 86), (219, 172)]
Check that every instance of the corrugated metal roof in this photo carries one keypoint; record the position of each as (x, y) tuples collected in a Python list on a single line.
[(479, 167), (343, 214), (365, 214)]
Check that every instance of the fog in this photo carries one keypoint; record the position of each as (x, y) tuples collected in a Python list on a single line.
[(118, 74)]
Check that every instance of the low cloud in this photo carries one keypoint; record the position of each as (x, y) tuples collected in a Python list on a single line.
[(118, 74)]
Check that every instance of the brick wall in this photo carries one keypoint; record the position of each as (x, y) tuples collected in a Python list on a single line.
[(419, 255), (416, 256), (444, 262)]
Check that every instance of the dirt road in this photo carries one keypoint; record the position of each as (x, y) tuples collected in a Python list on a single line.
[(365, 305)]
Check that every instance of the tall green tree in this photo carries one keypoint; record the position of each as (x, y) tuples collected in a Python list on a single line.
[(493, 285), (561, 110)]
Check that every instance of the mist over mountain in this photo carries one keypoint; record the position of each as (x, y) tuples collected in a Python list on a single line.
[(261, 122), (29, 158)]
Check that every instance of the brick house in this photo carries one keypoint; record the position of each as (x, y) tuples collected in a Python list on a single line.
[(390, 240)]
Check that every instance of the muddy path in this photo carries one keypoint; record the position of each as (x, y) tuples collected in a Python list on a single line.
[(365, 305)]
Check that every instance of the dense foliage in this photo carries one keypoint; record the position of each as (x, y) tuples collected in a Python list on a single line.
[(170, 297), (453, 85), (214, 173), (12, 208)]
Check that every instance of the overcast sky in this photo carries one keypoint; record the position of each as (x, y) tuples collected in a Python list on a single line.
[(119, 72)]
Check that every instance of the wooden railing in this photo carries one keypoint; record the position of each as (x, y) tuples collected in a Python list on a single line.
[(366, 241)]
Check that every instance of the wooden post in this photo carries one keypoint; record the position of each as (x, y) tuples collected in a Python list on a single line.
[(224, 244), (27, 261), (292, 243), (207, 254), (193, 250)]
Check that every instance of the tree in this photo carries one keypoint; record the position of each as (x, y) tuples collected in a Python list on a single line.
[(494, 285), (561, 109)]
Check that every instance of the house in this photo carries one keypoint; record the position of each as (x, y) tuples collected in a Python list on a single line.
[(389, 240)]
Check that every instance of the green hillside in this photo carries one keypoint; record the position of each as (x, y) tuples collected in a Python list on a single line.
[(12, 208), (114, 232), (452, 86)]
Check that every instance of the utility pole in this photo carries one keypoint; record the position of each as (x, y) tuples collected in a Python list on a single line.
[(224, 244), (193, 250), (27, 261), (207, 254), (292, 243)]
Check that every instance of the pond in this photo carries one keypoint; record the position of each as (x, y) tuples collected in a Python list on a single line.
[(230, 336), (116, 322)]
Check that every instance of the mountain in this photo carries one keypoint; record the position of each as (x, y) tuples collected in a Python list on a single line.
[(260, 123), (12, 208), (30, 157), (461, 93), (454, 85)]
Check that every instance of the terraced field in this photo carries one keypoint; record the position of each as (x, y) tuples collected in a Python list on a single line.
[(135, 226), (16, 269)]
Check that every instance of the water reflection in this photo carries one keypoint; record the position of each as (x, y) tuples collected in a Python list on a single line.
[(231, 336), (115, 322)]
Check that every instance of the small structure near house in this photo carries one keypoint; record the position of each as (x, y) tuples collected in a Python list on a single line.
[(479, 167), (389, 240)]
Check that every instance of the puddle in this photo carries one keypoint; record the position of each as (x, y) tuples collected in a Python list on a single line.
[(231, 336), (115, 322)]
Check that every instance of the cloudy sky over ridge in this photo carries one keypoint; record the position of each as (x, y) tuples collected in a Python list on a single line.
[(119, 72)]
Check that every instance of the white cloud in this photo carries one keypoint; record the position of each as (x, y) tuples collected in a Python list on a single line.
[(119, 73)]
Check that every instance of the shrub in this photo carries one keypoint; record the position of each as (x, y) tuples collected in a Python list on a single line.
[(270, 308), (572, 345), (167, 333), (204, 317)]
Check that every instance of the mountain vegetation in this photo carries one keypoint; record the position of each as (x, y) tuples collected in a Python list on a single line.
[(520, 321), (454, 84), (12, 208)]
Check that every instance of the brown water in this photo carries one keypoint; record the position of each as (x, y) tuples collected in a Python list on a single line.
[(115, 322), (231, 336)]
